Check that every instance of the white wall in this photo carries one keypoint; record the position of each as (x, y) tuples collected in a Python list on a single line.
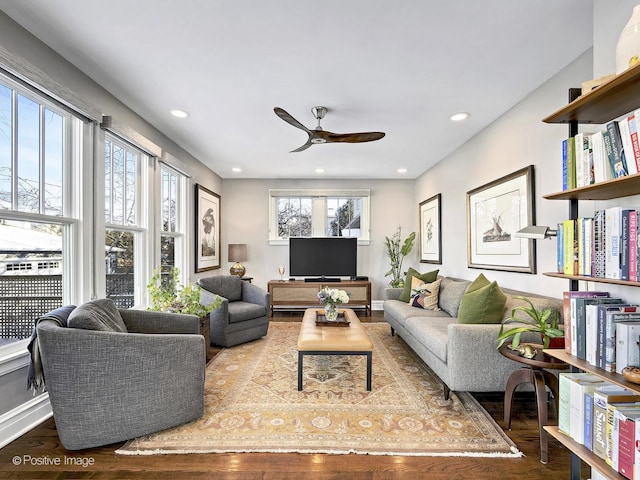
[(517, 139), (245, 219)]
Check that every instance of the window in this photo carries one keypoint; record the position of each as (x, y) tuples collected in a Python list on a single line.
[(39, 143), (125, 228), (319, 213), (173, 225)]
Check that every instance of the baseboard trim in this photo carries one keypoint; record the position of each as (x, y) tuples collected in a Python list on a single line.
[(23, 418)]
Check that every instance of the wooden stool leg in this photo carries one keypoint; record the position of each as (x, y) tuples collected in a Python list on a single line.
[(541, 394), (522, 375), (369, 364)]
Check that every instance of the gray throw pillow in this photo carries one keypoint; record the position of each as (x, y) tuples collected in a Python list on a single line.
[(101, 314)]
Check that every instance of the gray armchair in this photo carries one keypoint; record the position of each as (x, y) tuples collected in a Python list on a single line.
[(244, 313), (107, 385)]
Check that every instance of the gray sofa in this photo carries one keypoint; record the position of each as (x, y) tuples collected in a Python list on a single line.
[(464, 356)]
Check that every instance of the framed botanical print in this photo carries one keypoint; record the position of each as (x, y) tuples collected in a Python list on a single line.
[(430, 230), (495, 212), (207, 227)]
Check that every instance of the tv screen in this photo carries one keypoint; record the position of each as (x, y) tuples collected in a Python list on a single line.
[(323, 257)]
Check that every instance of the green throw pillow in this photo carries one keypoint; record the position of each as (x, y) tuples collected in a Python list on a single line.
[(428, 277), (483, 302)]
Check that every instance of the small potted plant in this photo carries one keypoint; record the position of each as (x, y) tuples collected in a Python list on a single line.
[(167, 295), (544, 322)]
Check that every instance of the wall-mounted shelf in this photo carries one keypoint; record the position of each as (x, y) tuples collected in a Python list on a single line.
[(612, 99), (584, 278), (607, 190)]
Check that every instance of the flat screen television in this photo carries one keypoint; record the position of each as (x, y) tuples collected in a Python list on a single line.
[(323, 257)]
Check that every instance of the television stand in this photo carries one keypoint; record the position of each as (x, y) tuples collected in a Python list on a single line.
[(300, 295), (323, 279)]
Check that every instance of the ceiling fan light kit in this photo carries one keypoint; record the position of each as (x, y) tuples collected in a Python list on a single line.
[(318, 135)]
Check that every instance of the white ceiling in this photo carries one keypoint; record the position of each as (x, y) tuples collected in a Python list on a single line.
[(401, 67)]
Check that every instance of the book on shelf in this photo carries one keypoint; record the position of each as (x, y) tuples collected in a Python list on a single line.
[(619, 164), (602, 398), (608, 150), (605, 330), (588, 420), (627, 149), (601, 166), (599, 250), (623, 313), (621, 412), (612, 235), (569, 317), (571, 389), (570, 247), (560, 247), (627, 344), (592, 326), (568, 163)]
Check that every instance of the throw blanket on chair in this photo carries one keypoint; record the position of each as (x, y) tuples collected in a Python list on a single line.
[(35, 379)]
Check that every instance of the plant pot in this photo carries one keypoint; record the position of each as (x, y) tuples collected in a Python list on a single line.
[(557, 342)]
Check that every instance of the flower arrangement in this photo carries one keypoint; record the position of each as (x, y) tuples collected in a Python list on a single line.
[(331, 298)]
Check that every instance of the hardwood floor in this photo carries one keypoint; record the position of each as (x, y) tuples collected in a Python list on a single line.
[(41, 445)]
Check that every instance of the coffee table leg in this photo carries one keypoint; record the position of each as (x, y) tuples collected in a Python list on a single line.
[(369, 362), (300, 357)]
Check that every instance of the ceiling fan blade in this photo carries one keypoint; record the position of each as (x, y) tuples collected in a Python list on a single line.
[(289, 119), (353, 137), (303, 147)]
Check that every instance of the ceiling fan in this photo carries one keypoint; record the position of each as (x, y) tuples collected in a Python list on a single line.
[(318, 135)]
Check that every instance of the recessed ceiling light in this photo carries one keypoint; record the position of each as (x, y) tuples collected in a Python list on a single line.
[(319, 170), (458, 117), (236, 169), (179, 113), (402, 170)]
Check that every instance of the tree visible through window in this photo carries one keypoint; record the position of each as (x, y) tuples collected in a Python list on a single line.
[(294, 217)]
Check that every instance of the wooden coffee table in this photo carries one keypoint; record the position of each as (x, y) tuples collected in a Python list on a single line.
[(333, 340)]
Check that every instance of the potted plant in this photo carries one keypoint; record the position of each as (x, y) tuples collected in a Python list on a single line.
[(167, 295), (544, 322), (396, 254)]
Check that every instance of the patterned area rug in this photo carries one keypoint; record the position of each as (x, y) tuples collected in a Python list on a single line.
[(252, 405)]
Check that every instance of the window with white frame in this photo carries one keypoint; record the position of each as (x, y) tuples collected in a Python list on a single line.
[(125, 220), (38, 146), (318, 213), (172, 203)]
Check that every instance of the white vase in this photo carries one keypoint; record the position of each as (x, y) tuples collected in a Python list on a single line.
[(628, 48)]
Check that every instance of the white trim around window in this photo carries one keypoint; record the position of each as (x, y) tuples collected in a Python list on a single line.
[(319, 196)]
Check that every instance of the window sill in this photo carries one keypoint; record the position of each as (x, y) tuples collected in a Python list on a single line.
[(280, 241)]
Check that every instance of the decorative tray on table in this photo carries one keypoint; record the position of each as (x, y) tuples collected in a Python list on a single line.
[(321, 321)]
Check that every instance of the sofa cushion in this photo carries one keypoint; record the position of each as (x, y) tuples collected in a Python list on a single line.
[(425, 277), (227, 286), (483, 302), (243, 311), (451, 292), (424, 295), (434, 338), (401, 311), (101, 314)]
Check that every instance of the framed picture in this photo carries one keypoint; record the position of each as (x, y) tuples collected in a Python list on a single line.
[(495, 212), (207, 246), (430, 232)]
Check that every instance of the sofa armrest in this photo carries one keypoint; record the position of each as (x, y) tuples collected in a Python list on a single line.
[(220, 314), (253, 294), (391, 293), (148, 321)]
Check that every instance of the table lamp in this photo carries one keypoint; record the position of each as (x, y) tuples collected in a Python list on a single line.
[(237, 254)]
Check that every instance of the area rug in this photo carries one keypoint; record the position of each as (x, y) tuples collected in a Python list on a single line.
[(252, 405)]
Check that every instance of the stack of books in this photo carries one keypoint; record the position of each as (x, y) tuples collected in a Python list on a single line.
[(603, 417), (604, 155)]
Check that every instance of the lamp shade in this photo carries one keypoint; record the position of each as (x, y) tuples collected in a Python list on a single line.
[(237, 252)]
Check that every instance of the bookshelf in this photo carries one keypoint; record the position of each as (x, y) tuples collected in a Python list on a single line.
[(609, 101)]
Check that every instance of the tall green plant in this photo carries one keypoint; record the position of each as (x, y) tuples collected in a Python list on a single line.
[(167, 295), (396, 250)]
